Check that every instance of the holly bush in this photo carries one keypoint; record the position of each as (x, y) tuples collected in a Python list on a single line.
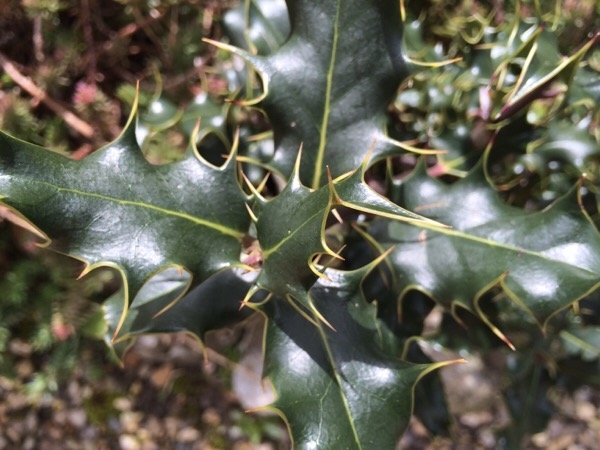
[(384, 181)]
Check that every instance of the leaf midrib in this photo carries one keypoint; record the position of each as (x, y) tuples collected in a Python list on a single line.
[(488, 242), (579, 342), (269, 251), (169, 212), (327, 106), (339, 383)]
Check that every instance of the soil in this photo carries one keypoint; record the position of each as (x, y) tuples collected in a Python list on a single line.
[(166, 395)]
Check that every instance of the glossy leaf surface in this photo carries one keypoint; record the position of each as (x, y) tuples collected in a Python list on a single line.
[(291, 230), (114, 208), (160, 308), (321, 91), (331, 384), (260, 25), (327, 86), (544, 261)]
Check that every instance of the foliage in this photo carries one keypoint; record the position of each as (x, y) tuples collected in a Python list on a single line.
[(369, 174), (49, 316), (45, 315)]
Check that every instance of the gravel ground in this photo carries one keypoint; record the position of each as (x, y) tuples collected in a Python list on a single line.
[(166, 396)]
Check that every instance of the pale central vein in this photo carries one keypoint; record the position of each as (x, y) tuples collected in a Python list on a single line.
[(181, 215), (269, 251), (326, 108), (340, 383), (500, 245)]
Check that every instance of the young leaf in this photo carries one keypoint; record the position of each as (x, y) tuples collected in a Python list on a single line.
[(291, 230), (543, 66)]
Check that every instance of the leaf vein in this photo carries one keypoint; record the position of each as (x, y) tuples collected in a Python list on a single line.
[(481, 240), (220, 228), (327, 106)]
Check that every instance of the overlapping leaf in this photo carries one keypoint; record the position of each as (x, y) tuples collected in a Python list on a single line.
[(542, 66), (261, 25), (566, 142), (544, 260), (513, 71), (291, 230), (213, 304), (331, 385), (321, 89), (114, 208), (583, 341)]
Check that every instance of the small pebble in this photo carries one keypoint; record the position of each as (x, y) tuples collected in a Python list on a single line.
[(130, 421), (77, 418), (128, 442), (585, 411), (188, 434), (122, 404)]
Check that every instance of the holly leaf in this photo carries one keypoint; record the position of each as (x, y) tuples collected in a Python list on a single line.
[(114, 208), (544, 260), (258, 25), (161, 306), (543, 69), (582, 341), (568, 143), (290, 229), (320, 89), (330, 384)]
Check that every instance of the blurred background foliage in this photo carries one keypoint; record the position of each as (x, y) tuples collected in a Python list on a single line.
[(68, 74), (82, 58), (65, 58)]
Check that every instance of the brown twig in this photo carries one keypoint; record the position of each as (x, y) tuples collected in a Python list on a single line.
[(144, 25), (77, 124)]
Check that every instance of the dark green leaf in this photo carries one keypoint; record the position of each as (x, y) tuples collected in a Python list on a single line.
[(290, 230), (113, 208), (260, 25), (566, 142), (159, 308), (321, 91), (583, 341), (544, 261), (331, 384)]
